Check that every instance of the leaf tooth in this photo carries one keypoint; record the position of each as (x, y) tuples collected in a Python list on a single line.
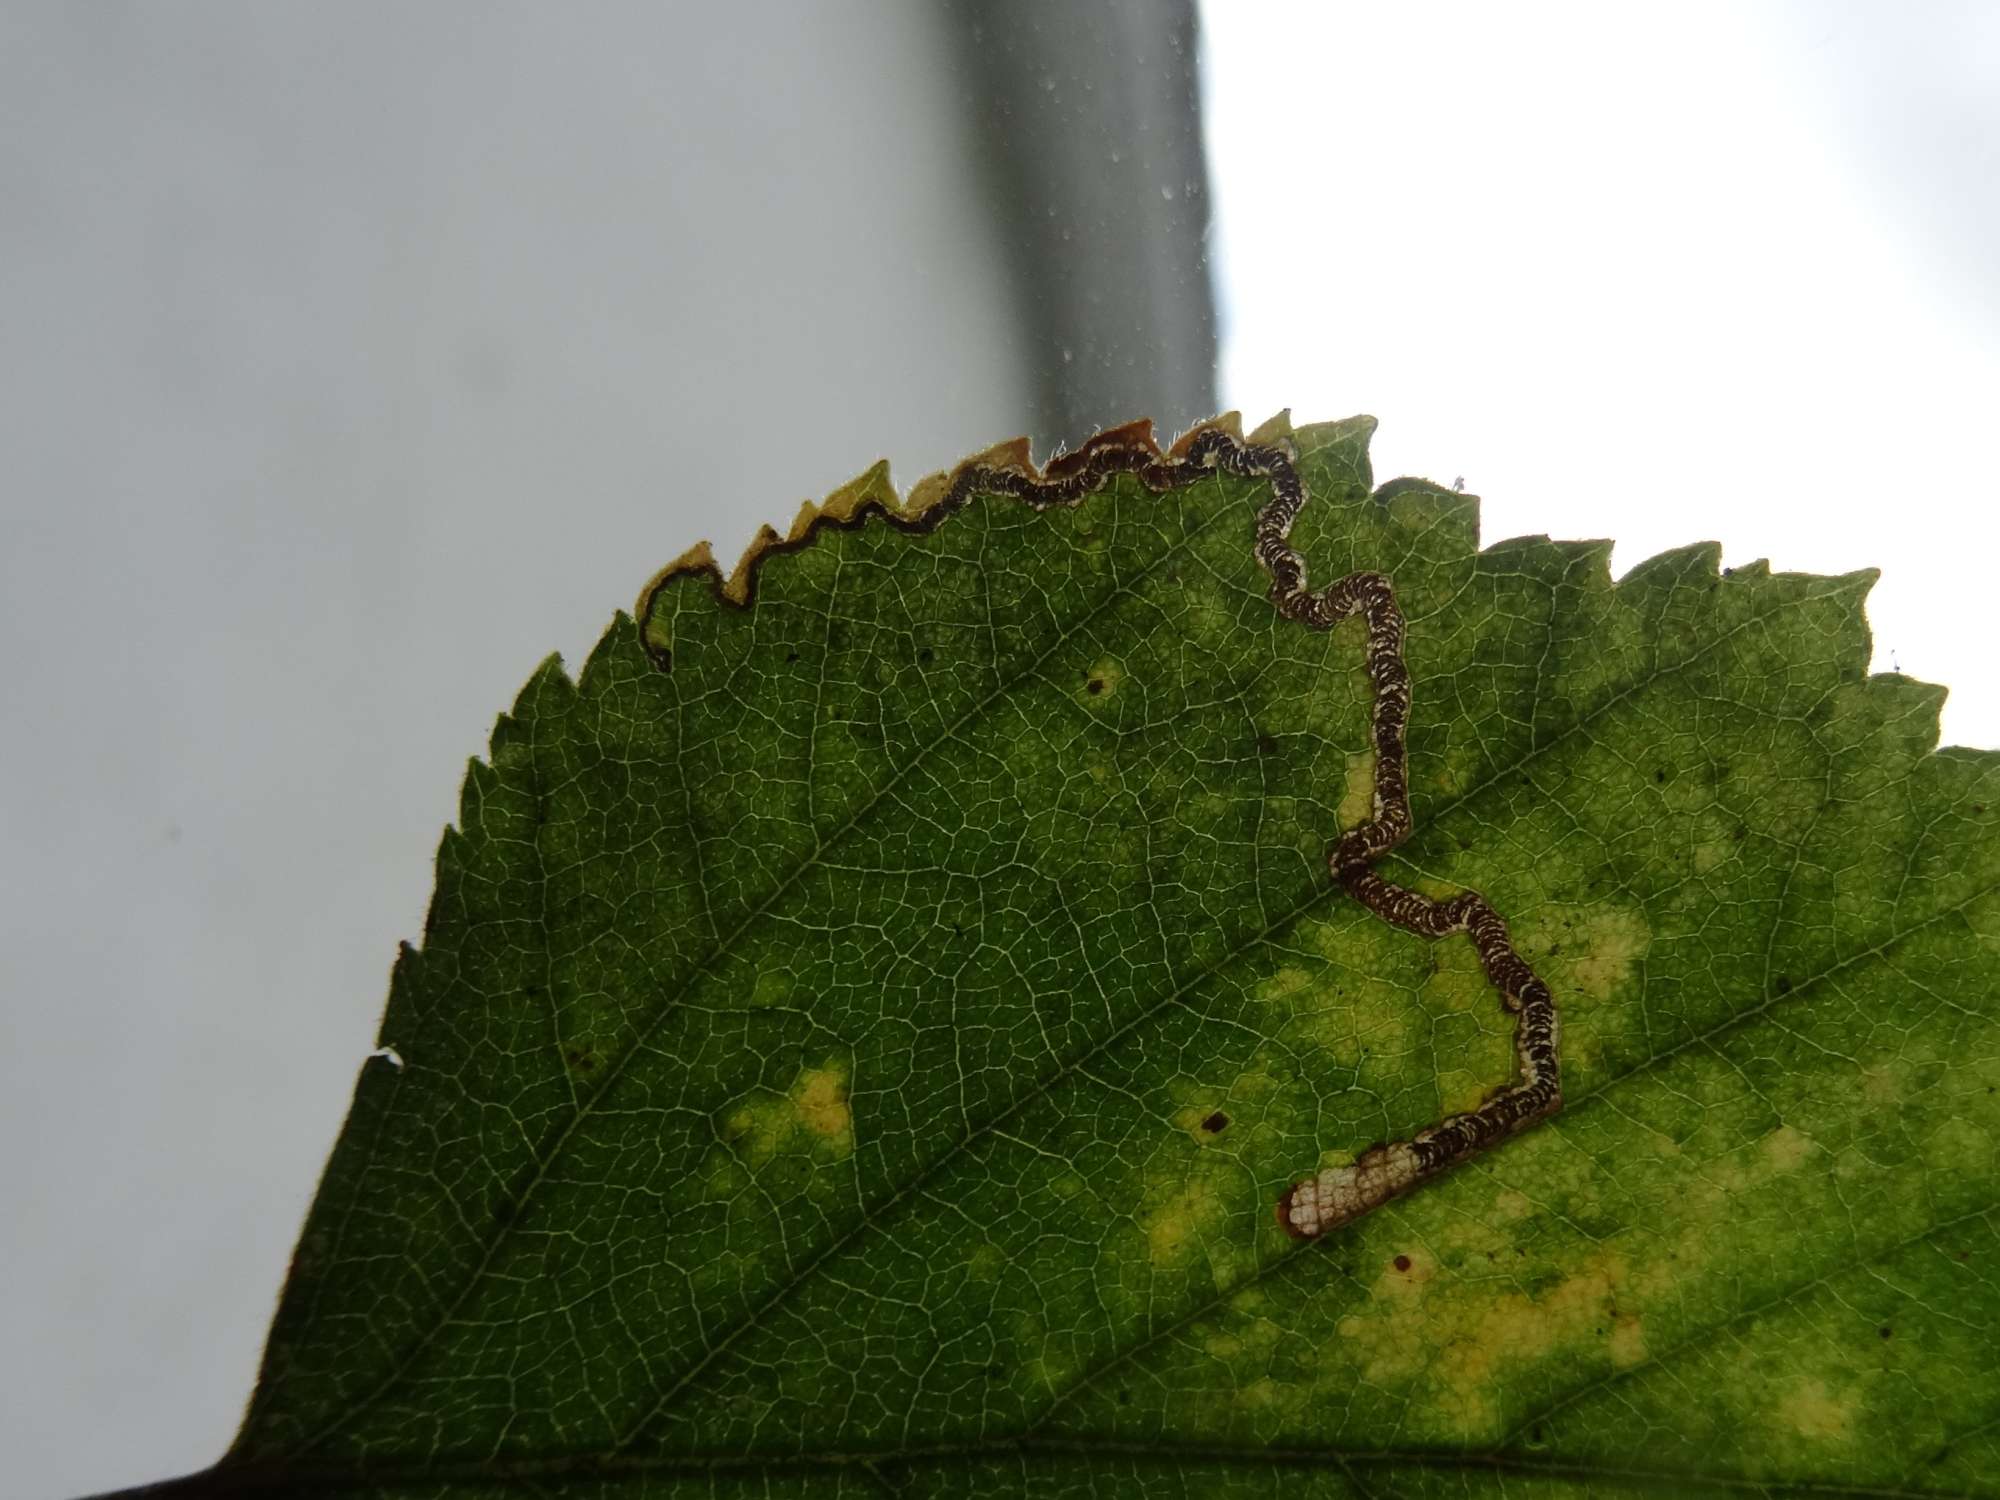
[(1593, 553), (508, 731), (1230, 422), (453, 860), (482, 782), (1273, 429), (547, 693), (1353, 432), (697, 560), (619, 655), (402, 1013), (1014, 456), (1695, 559), (1586, 561), (1135, 434)]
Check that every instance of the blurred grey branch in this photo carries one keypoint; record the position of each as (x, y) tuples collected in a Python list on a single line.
[(1088, 121)]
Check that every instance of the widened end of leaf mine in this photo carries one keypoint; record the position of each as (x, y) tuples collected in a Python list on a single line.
[(1339, 1195)]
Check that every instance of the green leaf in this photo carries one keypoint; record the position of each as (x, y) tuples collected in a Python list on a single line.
[(867, 1021)]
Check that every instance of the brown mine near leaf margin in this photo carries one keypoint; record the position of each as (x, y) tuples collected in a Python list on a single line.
[(1336, 1195)]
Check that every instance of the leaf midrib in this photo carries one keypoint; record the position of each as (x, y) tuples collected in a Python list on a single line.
[(1163, 1452)]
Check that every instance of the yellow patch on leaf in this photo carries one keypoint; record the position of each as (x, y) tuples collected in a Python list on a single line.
[(1812, 1411), (814, 1113)]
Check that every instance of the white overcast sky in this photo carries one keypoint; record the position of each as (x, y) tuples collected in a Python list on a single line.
[(1659, 273)]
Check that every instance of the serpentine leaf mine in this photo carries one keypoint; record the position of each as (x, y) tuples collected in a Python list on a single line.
[(1336, 1195)]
